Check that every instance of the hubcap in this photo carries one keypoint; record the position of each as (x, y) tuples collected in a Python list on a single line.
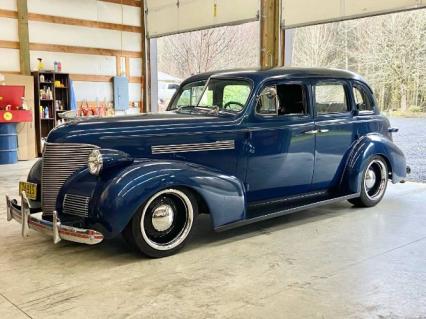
[(370, 179), (167, 219), (375, 179), (162, 217)]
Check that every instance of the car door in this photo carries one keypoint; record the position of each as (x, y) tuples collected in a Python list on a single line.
[(334, 131), (281, 158)]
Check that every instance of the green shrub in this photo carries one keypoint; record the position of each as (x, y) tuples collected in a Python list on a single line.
[(415, 109)]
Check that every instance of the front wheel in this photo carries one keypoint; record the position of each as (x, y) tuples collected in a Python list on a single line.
[(164, 222), (373, 184)]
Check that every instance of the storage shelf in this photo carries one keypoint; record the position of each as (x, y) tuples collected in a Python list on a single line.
[(62, 94)]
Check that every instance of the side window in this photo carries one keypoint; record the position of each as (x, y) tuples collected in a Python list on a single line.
[(235, 96), (184, 98), (189, 95), (362, 101), (330, 98), (292, 99), (282, 100)]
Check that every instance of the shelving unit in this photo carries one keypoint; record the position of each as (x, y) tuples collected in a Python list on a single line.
[(57, 104)]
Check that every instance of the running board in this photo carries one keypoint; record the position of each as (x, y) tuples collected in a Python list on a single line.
[(284, 212)]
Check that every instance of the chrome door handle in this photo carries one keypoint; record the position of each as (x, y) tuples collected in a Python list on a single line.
[(324, 131), (311, 132)]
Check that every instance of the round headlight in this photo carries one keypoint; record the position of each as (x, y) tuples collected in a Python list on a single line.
[(95, 162)]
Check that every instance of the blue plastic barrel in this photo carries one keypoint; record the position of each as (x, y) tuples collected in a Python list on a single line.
[(8, 143)]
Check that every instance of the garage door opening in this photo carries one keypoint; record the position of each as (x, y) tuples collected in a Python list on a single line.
[(390, 52)]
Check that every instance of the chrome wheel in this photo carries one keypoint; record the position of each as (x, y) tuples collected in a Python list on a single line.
[(375, 179), (167, 219)]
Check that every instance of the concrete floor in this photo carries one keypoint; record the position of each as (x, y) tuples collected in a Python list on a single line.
[(332, 262)]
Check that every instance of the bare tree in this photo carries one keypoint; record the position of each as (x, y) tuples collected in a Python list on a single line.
[(389, 51), (212, 49)]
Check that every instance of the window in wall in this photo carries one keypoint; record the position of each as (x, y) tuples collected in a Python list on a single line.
[(362, 101), (330, 98)]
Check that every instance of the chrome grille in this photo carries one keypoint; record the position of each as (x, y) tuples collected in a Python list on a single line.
[(76, 205), (60, 161)]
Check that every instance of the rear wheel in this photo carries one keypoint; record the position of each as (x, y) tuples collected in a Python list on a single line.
[(373, 184), (164, 223)]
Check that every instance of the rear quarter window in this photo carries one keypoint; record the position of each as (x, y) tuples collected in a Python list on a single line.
[(330, 98)]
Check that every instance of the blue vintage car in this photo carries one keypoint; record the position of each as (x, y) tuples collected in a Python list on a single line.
[(255, 145)]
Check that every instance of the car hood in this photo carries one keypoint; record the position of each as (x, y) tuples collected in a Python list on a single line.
[(126, 132)]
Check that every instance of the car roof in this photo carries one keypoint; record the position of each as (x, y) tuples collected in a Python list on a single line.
[(290, 72), (279, 72), (205, 75)]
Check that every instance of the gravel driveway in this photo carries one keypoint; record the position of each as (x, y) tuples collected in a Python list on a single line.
[(411, 138)]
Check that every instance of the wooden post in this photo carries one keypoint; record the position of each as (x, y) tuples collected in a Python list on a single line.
[(24, 42), (270, 33), (145, 82)]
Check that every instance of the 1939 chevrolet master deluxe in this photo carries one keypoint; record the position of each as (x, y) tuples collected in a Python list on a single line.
[(256, 145)]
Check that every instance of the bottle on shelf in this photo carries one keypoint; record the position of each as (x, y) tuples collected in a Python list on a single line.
[(46, 112)]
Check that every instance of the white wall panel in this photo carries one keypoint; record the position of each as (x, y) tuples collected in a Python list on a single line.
[(166, 17), (88, 10), (135, 67), (42, 32), (76, 63), (307, 12), (9, 60), (9, 29), (134, 92), (8, 4), (132, 15), (93, 90)]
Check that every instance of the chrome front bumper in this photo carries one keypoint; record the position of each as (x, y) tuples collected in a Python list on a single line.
[(54, 228)]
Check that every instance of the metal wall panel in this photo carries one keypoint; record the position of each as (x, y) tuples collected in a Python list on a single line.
[(176, 16), (9, 29), (76, 63), (9, 60), (43, 32), (92, 10), (8, 4), (297, 13)]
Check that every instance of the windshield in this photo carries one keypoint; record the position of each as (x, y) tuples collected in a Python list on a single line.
[(229, 95), (188, 95)]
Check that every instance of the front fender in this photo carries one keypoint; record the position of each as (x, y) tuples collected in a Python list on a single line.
[(368, 146), (132, 186)]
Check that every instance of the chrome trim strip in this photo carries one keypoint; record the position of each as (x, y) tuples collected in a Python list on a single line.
[(195, 147), (55, 228)]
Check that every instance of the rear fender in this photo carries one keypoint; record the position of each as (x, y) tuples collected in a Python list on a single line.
[(134, 185), (368, 146)]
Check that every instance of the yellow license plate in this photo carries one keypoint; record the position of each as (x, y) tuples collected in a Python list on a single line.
[(29, 188)]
